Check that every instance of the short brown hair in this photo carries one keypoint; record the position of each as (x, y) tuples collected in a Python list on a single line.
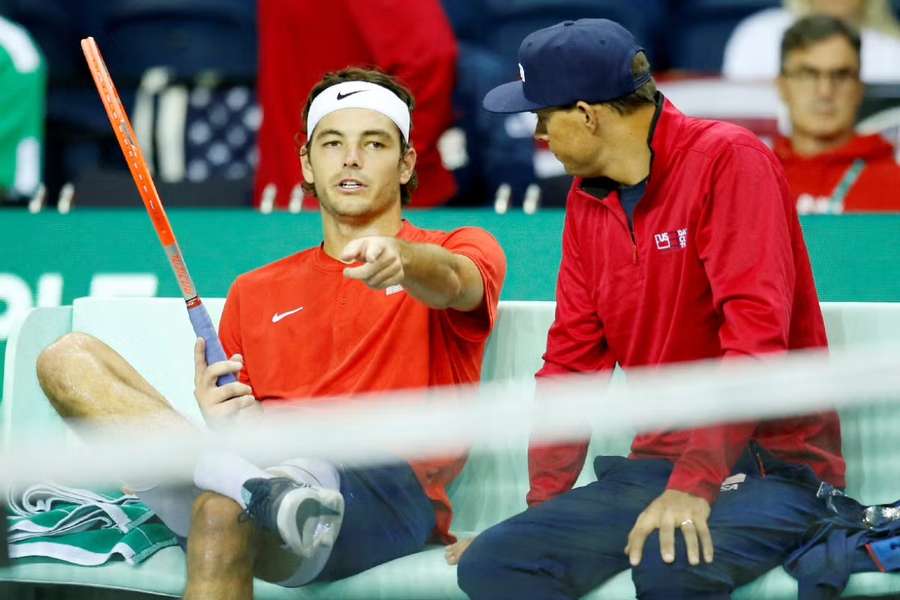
[(646, 94), (378, 78), (813, 29)]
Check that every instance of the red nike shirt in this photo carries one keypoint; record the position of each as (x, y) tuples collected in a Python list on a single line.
[(305, 332)]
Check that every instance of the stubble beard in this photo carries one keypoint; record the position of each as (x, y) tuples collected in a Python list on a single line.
[(338, 208)]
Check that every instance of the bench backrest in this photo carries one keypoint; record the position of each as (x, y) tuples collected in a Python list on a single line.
[(155, 336)]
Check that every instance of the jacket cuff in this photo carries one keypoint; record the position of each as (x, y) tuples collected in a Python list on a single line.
[(694, 484)]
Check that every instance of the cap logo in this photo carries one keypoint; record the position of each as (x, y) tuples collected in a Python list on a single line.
[(521, 72)]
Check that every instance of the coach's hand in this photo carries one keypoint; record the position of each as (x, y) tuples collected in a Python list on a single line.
[(221, 405), (671, 510), (383, 258)]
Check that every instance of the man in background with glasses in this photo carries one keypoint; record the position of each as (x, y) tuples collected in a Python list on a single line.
[(830, 168)]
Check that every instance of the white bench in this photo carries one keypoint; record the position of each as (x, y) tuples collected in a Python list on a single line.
[(155, 336)]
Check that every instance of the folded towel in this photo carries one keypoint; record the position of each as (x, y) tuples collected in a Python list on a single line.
[(83, 527)]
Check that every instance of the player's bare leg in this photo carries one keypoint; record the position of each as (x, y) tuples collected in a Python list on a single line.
[(220, 552), (87, 380)]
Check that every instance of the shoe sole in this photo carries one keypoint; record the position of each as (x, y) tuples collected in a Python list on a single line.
[(310, 518)]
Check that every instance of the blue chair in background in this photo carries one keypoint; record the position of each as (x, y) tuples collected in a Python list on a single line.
[(700, 29), (189, 68), (188, 37), (512, 20), (215, 39), (469, 18), (496, 155)]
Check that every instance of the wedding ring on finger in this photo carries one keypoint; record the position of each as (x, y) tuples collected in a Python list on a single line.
[(686, 522)]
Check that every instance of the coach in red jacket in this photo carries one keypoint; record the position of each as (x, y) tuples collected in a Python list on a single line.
[(681, 243)]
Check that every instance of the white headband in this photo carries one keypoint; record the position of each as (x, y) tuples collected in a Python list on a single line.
[(359, 94)]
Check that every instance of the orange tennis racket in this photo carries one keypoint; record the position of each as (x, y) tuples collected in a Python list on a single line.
[(200, 320)]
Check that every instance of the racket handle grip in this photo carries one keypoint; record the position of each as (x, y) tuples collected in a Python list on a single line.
[(203, 327)]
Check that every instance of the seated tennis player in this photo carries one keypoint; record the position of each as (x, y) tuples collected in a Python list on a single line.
[(379, 305)]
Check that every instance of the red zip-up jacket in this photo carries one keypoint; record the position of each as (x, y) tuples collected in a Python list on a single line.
[(714, 266)]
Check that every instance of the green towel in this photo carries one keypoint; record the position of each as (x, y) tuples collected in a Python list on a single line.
[(83, 527)]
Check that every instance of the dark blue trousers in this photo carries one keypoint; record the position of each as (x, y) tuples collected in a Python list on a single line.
[(564, 548), (386, 515)]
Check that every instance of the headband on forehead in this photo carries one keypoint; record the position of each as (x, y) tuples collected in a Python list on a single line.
[(359, 94)]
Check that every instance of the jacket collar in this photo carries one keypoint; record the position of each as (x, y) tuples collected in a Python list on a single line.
[(662, 138)]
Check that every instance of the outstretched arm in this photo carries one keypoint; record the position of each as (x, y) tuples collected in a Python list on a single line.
[(436, 276)]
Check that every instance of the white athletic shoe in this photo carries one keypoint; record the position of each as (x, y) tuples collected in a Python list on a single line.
[(305, 516)]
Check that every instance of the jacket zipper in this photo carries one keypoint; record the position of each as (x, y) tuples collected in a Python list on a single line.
[(629, 227), (634, 248), (759, 462)]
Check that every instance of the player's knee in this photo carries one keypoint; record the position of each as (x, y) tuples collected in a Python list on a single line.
[(214, 513), (54, 361), (219, 543)]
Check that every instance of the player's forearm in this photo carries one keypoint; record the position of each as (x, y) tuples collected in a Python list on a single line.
[(440, 278)]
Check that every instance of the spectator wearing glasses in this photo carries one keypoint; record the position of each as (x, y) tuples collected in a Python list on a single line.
[(830, 168), (751, 52)]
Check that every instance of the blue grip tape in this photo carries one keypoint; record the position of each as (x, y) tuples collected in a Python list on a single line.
[(203, 327)]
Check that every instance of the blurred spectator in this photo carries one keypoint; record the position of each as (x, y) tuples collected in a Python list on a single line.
[(830, 168), (751, 52), (22, 89), (301, 40), (499, 149)]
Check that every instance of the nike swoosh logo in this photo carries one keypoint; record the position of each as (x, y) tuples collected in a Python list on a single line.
[(341, 96), (279, 316)]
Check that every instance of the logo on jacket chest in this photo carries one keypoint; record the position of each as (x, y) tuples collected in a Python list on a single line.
[(668, 241)]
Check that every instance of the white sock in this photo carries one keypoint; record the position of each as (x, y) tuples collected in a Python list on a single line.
[(172, 504), (310, 471), (225, 473)]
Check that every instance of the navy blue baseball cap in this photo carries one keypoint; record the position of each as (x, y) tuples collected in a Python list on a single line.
[(588, 59)]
